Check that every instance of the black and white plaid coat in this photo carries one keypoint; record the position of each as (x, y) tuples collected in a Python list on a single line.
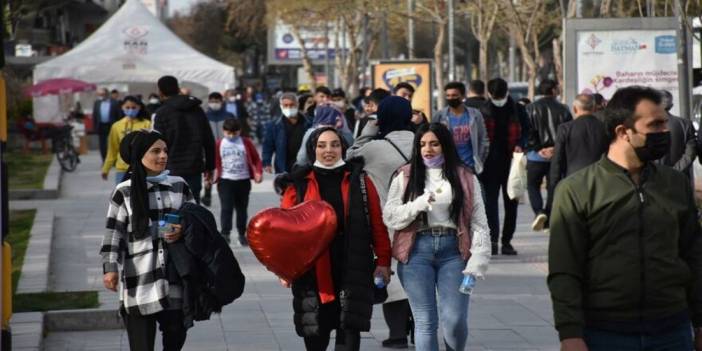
[(144, 287)]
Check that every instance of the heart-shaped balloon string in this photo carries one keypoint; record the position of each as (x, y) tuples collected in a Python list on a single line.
[(289, 241)]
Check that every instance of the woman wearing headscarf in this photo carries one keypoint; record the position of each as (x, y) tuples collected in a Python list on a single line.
[(385, 147), (132, 245), (134, 117), (338, 292), (325, 115)]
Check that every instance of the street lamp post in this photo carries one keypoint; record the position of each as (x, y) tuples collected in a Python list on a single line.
[(451, 49), (410, 29)]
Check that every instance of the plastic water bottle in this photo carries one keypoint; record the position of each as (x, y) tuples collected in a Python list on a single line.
[(467, 284), (379, 282)]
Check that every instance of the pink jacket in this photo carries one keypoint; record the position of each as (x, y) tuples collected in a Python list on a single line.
[(403, 240)]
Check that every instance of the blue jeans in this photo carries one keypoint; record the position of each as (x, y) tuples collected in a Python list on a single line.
[(195, 184), (435, 264), (119, 176), (678, 339)]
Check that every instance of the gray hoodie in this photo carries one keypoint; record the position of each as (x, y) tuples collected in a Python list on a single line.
[(381, 158)]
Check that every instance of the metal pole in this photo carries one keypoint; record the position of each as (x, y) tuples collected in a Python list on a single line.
[(684, 71), (451, 49), (384, 36), (327, 65), (469, 58), (512, 59), (410, 29), (364, 58)]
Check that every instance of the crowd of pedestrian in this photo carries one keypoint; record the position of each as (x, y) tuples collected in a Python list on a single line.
[(418, 195)]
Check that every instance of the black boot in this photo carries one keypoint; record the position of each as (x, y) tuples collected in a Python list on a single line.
[(508, 250), (395, 343), (494, 249)]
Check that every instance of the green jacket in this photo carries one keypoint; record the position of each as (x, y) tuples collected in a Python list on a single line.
[(622, 253)]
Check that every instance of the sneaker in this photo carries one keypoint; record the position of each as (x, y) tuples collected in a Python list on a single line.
[(539, 222), (494, 249), (508, 250), (243, 241), (395, 343)]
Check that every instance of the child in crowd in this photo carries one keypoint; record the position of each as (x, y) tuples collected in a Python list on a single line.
[(236, 162)]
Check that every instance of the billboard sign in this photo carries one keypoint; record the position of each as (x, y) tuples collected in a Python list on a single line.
[(285, 48), (387, 74), (605, 55), (650, 55)]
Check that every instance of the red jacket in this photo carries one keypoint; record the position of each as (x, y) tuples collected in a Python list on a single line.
[(252, 159), (381, 240)]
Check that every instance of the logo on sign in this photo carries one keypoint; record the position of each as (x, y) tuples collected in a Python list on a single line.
[(392, 77), (136, 32), (136, 42), (593, 41), (627, 46), (666, 44)]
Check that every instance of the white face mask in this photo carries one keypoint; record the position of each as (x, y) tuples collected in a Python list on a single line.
[(338, 163), (500, 102), (289, 112), (231, 99), (154, 101), (215, 106), (340, 104)]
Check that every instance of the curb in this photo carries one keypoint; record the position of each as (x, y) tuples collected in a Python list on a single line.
[(35, 269), (50, 190), (82, 320), (27, 331)]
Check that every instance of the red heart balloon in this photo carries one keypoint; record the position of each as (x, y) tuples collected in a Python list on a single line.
[(289, 241)]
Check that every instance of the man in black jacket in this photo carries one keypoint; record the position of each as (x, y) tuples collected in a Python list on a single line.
[(545, 115), (476, 94), (184, 124), (683, 144), (580, 142), (503, 122), (105, 112)]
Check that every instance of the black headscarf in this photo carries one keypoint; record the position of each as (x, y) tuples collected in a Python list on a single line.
[(132, 150), (394, 113)]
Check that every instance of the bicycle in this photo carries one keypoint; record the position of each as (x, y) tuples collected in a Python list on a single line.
[(62, 146)]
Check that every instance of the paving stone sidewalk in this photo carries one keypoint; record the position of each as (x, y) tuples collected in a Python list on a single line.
[(509, 311)]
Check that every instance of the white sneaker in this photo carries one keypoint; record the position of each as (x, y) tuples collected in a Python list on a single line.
[(539, 222)]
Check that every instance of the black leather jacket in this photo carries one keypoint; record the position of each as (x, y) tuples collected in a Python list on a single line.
[(545, 115)]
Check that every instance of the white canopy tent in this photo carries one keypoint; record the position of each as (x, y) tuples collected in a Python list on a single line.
[(134, 47)]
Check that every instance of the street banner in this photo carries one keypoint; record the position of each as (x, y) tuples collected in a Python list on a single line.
[(603, 55), (609, 60), (387, 74), (284, 48)]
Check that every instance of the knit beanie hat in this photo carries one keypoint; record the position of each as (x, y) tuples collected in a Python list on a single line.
[(394, 113)]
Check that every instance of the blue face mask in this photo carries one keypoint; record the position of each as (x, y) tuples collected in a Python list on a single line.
[(159, 178), (233, 139), (131, 113)]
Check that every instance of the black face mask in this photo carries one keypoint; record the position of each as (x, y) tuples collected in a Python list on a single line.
[(453, 102), (656, 146)]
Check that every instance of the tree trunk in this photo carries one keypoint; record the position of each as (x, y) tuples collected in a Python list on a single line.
[(483, 60), (606, 8), (306, 62), (439, 63)]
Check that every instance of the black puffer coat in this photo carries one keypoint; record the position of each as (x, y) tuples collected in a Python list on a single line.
[(353, 306)]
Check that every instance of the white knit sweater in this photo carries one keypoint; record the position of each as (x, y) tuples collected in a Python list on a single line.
[(397, 215)]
